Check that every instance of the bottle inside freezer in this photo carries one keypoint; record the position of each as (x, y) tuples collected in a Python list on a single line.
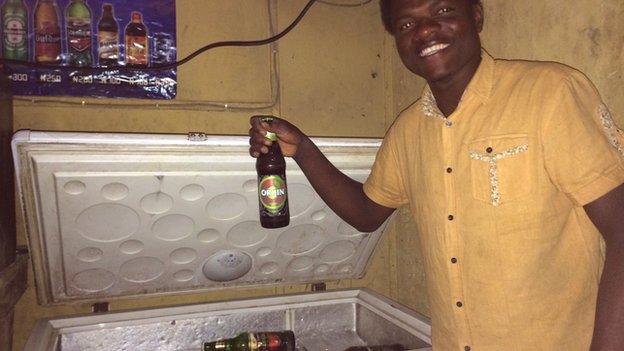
[(263, 341)]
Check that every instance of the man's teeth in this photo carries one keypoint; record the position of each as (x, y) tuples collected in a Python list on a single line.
[(433, 49)]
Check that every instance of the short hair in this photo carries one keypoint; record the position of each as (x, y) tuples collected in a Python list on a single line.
[(386, 17)]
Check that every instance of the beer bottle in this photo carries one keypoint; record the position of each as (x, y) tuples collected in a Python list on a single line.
[(108, 38), (265, 341), (272, 190), (47, 32), (15, 30), (136, 42), (78, 17), (393, 347)]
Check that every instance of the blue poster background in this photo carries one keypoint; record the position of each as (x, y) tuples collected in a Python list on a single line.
[(158, 17)]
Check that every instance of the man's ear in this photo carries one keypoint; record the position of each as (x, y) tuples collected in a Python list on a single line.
[(477, 11)]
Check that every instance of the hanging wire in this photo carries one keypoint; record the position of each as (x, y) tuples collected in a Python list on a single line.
[(195, 105), (178, 63), (200, 50), (362, 3)]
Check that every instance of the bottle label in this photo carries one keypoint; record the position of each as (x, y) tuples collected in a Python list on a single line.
[(273, 194), (273, 341), (269, 342), (15, 32), (79, 34), (108, 45), (136, 50), (48, 42)]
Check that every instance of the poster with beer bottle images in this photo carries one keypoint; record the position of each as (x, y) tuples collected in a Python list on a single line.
[(98, 48)]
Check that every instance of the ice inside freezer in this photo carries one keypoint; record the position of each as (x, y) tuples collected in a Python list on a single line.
[(333, 324)]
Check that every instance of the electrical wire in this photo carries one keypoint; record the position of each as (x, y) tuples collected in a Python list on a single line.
[(362, 3), (178, 63), (191, 105)]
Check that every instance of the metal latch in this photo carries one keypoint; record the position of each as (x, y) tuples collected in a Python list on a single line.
[(197, 136), (319, 287), (99, 307)]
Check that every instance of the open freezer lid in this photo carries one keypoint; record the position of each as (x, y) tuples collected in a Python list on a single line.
[(114, 215)]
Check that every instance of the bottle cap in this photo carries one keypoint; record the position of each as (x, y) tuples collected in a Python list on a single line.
[(271, 136), (136, 16)]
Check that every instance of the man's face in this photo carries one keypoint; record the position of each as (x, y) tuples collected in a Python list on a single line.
[(437, 39)]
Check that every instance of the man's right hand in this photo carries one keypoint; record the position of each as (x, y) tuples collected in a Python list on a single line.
[(344, 195), (288, 136)]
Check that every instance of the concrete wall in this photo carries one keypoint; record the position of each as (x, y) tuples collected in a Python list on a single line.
[(336, 74)]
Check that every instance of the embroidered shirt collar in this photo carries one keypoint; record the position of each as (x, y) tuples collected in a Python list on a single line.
[(480, 86)]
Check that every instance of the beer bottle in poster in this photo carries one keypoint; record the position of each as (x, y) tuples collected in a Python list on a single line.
[(267, 341), (136, 42), (15, 30), (78, 17), (47, 32), (272, 189), (108, 38)]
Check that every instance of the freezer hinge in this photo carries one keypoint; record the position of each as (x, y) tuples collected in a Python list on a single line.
[(99, 307), (197, 136), (319, 287)]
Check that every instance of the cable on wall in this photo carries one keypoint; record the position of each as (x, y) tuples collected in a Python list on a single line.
[(186, 105)]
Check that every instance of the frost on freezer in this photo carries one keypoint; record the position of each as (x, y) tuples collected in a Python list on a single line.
[(333, 327)]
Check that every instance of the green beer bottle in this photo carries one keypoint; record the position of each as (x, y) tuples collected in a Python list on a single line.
[(78, 16), (265, 341), (15, 30)]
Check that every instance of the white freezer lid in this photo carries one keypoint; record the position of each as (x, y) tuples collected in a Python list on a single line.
[(117, 215)]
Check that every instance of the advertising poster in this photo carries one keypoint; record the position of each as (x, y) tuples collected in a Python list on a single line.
[(92, 48)]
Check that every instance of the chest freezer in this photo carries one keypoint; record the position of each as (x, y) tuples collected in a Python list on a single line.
[(111, 216)]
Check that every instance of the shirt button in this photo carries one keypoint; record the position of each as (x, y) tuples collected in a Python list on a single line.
[(448, 123), (466, 348), (489, 150), (453, 260), (459, 304), (450, 217), (449, 170)]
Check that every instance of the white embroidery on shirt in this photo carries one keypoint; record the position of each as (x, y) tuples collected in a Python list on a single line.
[(429, 105), (493, 159), (614, 134)]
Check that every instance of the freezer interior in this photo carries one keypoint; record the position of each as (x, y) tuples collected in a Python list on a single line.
[(321, 321)]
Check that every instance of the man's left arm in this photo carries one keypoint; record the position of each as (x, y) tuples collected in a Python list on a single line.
[(607, 214)]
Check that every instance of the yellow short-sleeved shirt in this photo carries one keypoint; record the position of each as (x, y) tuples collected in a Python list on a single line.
[(496, 190)]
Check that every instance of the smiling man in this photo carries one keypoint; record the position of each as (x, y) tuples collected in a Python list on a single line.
[(513, 172)]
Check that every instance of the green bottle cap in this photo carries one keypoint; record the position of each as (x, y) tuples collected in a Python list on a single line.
[(271, 136)]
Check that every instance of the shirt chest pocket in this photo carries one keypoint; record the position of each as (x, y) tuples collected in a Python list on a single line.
[(500, 168)]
